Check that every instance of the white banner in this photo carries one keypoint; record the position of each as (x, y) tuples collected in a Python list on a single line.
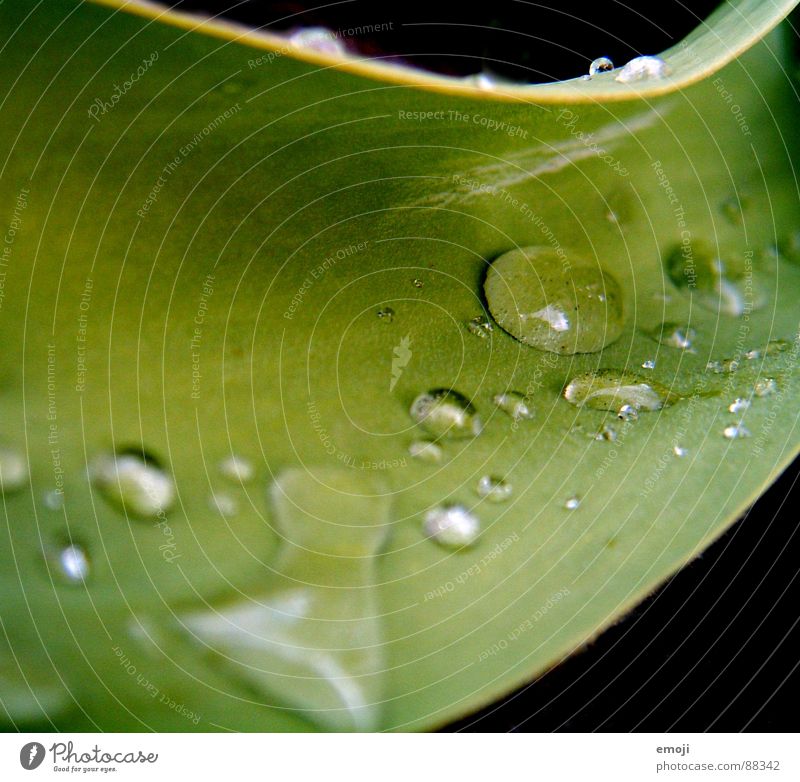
[(455, 757)]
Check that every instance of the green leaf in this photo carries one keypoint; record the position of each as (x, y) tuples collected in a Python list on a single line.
[(215, 245)]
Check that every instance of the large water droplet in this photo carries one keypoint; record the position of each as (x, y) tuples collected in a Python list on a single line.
[(480, 326), (494, 489), (140, 487), (13, 470), (237, 469), (643, 68), (311, 637), (600, 65), (514, 404), (446, 413), (610, 389), (545, 302), (452, 526), (426, 451)]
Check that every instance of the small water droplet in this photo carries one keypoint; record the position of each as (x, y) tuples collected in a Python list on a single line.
[(141, 488), (386, 314), (610, 389), (735, 431), (426, 451), (753, 355), (551, 305), (53, 499), (446, 413), (237, 469), (738, 405), (483, 80), (723, 367), (680, 451), (606, 433), (480, 326), (318, 39), (628, 413), (224, 504), (514, 404), (72, 563), (765, 387), (13, 470), (494, 489), (642, 68), (452, 526), (573, 502), (649, 364), (674, 335), (600, 65), (418, 283)]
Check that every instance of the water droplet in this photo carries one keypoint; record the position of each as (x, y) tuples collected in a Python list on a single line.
[(426, 451), (606, 433), (452, 526), (386, 314), (765, 387), (542, 301), (318, 39), (674, 335), (418, 283), (13, 470), (237, 469), (610, 389), (628, 413), (53, 499), (494, 489), (680, 451), (514, 404), (697, 270), (753, 355), (642, 68), (484, 80), (649, 364), (573, 502), (223, 503), (446, 413), (735, 431), (738, 405), (723, 367), (480, 326), (72, 563), (600, 65), (140, 487)]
